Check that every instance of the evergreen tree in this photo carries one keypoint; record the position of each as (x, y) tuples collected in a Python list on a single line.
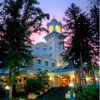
[(94, 16), (18, 19), (77, 26)]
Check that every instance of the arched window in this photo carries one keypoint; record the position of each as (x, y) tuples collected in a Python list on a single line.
[(57, 28), (50, 29)]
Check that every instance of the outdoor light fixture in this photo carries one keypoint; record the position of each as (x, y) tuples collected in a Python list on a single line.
[(71, 92), (96, 79), (2, 76), (7, 90), (50, 78), (7, 87), (71, 84), (88, 78)]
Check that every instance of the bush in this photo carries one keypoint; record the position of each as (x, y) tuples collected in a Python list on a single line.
[(88, 93), (33, 85), (2, 92)]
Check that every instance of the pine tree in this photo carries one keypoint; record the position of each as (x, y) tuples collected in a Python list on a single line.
[(18, 19), (77, 26)]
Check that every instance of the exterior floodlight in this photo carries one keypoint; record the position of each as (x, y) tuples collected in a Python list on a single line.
[(7, 90), (7, 87), (71, 84), (96, 79), (71, 92)]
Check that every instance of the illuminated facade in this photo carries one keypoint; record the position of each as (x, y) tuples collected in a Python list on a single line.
[(48, 58)]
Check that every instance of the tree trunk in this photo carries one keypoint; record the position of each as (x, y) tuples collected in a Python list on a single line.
[(82, 70), (93, 74), (10, 92), (11, 83)]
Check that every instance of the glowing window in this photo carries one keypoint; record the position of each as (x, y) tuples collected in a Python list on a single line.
[(50, 29), (58, 28)]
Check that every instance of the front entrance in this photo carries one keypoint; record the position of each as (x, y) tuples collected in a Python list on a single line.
[(62, 80)]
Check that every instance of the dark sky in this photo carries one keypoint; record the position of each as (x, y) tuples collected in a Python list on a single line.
[(56, 8)]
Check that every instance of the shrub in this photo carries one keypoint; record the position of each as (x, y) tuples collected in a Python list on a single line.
[(2, 92), (33, 85), (88, 93)]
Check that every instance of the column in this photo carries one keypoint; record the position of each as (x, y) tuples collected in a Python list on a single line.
[(27, 75), (74, 80), (34, 75), (23, 80), (0, 81), (53, 80), (70, 79)]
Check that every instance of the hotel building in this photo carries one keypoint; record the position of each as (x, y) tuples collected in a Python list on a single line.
[(48, 58)]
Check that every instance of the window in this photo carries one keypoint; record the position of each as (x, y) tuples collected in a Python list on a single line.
[(44, 49), (50, 48), (59, 48), (60, 55), (46, 63), (39, 69), (58, 29), (53, 65), (30, 48), (46, 70), (50, 29), (39, 61), (60, 61), (37, 48), (50, 54)]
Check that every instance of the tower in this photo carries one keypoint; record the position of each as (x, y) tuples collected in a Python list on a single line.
[(53, 39)]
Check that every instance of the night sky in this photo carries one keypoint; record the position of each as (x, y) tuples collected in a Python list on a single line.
[(56, 8)]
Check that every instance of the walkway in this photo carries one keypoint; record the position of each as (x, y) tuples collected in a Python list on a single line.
[(56, 94)]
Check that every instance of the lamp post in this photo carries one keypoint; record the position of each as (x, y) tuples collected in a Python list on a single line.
[(7, 89), (71, 92)]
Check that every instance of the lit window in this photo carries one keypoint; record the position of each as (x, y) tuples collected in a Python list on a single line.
[(46, 63), (37, 48), (50, 29), (58, 28), (53, 64), (44, 49), (39, 61)]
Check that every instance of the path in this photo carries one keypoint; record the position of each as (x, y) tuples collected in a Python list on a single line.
[(56, 94)]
